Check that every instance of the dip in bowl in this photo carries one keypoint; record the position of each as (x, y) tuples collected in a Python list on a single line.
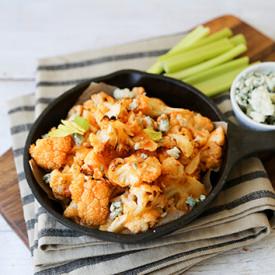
[(253, 96)]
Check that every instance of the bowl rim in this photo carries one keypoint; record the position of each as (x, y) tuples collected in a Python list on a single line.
[(111, 236), (235, 106)]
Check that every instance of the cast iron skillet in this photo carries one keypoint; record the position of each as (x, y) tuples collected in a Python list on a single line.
[(240, 143)]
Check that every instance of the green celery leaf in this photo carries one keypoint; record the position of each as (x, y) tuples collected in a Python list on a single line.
[(67, 127), (82, 122), (154, 135)]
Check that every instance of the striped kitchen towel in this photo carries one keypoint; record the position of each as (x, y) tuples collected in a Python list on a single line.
[(236, 218)]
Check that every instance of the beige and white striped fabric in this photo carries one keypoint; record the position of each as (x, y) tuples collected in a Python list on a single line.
[(238, 216)]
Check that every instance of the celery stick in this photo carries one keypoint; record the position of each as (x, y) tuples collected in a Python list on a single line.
[(190, 58), (156, 68), (191, 38), (226, 32), (186, 42), (238, 39), (219, 84), (229, 55), (216, 71)]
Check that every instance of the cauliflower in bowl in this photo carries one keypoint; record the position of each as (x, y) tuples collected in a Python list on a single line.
[(124, 162)]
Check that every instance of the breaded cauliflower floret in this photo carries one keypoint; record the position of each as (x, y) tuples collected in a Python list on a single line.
[(135, 122), (143, 197), (80, 153), (143, 222), (172, 170), (178, 192), (95, 164), (51, 152), (60, 182), (144, 142), (217, 136), (143, 206), (193, 166), (114, 134), (67, 183), (134, 170), (184, 144), (100, 98), (191, 120), (152, 106), (93, 206), (202, 122), (77, 184), (167, 142), (97, 106), (211, 154)]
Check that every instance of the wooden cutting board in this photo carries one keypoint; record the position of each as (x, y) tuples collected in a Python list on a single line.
[(10, 202), (260, 47)]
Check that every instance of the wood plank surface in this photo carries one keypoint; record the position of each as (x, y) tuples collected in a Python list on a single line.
[(260, 47), (10, 202)]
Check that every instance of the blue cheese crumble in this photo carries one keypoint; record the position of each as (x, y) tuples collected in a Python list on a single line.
[(149, 121), (174, 152), (115, 209), (123, 93), (193, 202), (255, 94), (136, 146), (133, 105), (144, 156), (163, 124)]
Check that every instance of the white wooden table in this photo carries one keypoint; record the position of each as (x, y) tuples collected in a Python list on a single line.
[(32, 29)]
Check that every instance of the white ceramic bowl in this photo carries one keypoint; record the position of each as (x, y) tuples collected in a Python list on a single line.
[(240, 115)]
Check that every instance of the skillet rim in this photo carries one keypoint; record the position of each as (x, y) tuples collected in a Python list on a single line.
[(150, 234)]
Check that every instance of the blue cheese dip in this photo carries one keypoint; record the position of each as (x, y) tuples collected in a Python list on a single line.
[(255, 94)]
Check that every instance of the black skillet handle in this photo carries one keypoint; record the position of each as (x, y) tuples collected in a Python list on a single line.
[(243, 142)]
